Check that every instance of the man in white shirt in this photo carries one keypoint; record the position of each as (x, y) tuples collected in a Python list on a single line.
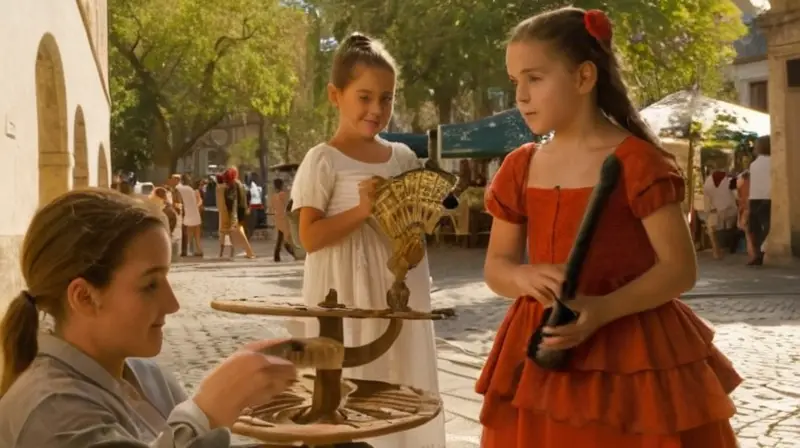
[(760, 198), (257, 212)]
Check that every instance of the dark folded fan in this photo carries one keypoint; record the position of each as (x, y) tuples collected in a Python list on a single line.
[(560, 314)]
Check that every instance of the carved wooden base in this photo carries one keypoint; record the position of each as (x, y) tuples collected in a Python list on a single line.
[(325, 410), (368, 409)]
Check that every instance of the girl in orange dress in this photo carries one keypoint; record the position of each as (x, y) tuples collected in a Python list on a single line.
[(644, 372)]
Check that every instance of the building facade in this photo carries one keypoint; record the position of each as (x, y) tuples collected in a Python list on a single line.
[(212, 151), (781, 24), (54, 113), (750, 70)]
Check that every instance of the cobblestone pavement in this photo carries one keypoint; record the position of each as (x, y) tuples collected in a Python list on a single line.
[(756, 313)]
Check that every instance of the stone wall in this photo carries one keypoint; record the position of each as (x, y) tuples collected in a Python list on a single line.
[(782, 26), (54, 115), (95, 17), (10, 279)]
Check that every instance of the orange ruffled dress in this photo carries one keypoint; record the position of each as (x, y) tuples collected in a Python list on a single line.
[(649, 380)]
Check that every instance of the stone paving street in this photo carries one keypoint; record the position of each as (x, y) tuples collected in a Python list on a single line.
[(756, 313)]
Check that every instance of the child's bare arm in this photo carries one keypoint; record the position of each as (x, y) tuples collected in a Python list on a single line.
[(505, 253), (318, 232)]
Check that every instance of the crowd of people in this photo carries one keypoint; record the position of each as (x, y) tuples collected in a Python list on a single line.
[(240, 209), (738, 206)]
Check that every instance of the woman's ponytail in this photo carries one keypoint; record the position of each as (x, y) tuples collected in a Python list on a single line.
[(19, 331), (80, 234)]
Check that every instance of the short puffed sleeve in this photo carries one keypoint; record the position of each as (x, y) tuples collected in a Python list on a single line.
[(505, 195), (652, 178), (407, 158), (314, 181)]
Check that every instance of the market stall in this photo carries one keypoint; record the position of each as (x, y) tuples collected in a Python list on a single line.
[(700, 132), (474, 151)]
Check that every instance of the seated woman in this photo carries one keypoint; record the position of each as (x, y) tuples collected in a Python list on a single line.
[(96, 262)]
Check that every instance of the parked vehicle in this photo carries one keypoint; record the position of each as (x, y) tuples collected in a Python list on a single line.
[(143, 188)]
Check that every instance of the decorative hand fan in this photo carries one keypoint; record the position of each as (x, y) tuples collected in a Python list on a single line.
[(406, 208)]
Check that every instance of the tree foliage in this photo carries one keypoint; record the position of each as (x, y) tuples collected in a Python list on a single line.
[(178, 68), (451, 47), (130, 126), (671, 45), (244, 152), (311, 119)]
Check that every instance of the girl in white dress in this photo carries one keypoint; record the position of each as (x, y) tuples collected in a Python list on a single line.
[(333, 192)]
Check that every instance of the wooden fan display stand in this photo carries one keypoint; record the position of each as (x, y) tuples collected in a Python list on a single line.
[(326, 410)]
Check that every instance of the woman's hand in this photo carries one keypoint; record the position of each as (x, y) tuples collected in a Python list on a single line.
[(593, 314), (246, 378), (543, 282)]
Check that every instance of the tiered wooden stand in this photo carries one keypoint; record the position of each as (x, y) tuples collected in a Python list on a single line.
[(325, 410)]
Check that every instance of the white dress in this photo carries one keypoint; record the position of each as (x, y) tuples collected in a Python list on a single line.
[(720, 204), (191, 209), (328, 180)]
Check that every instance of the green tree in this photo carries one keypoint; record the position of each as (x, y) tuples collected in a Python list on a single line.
[(130, 125), (671, 45), (310, 119), (456, 46), (244, 152), (179, 68)]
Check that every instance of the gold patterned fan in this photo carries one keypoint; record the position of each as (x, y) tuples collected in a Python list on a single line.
[(407, 207)]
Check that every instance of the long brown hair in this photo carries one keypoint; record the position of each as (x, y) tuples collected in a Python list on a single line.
[(565, 29), (81, 234)]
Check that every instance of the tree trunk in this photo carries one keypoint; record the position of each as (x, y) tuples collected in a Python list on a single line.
[(444, 107), (173, 164), (416, 126), (162, 146), (176, 153), (487, 108), (262, 156), (482, 104), (162, 156)]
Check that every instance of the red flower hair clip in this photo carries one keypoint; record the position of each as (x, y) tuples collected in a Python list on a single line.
[(598, 25)]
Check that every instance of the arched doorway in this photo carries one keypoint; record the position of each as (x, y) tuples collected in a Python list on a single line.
[(80, 169), (51, 112), (102, 167)]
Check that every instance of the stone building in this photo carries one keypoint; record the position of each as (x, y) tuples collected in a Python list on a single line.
[(211, 152), (750, 70), (781, 24), (54, 112)]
